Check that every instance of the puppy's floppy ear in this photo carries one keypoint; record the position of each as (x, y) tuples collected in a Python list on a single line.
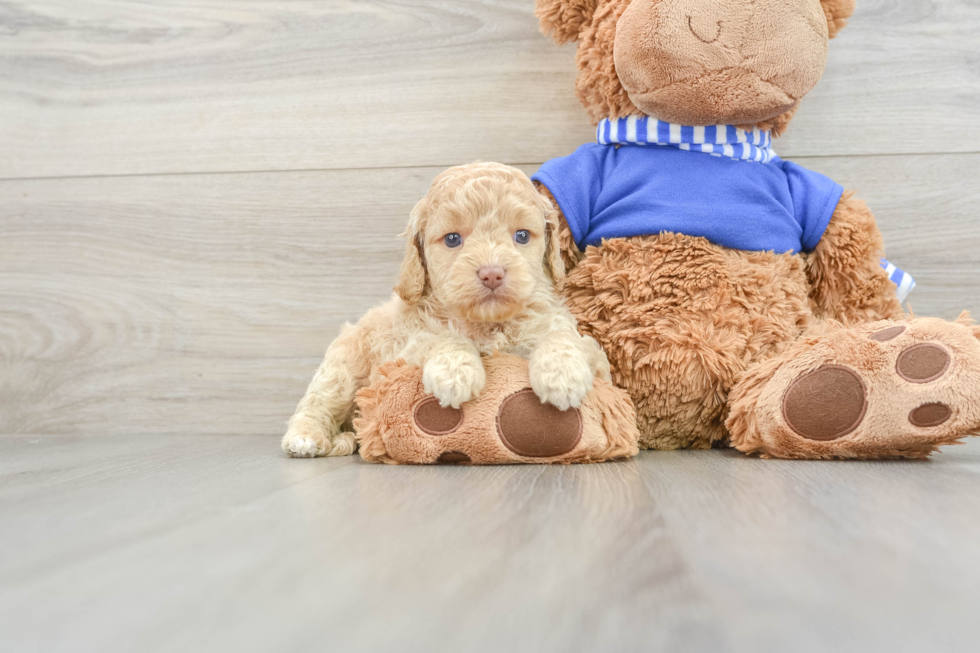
[(552, 255), (412, 280), (837, 12), (563, 20)]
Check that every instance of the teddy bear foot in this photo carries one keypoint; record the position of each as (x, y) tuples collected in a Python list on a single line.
[(882, 390), (507, 423)]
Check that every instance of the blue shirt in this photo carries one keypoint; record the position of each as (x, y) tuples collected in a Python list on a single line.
[(607, 191)]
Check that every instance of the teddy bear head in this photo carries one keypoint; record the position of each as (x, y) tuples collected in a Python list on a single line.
[(696, 62)]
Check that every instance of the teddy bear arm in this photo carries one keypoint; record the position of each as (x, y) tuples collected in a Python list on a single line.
[(847, 282), (570, 253)]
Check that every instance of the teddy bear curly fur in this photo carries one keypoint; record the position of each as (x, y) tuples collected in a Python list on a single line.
[(803, 355)]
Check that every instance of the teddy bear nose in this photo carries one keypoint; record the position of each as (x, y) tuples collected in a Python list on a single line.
[(491, 276)]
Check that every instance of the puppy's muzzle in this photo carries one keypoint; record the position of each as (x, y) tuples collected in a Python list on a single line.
[(491, 276)]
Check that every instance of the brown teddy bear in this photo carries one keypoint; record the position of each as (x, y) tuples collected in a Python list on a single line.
[(740, 298)]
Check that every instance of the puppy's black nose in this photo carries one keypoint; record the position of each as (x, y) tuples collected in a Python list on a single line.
[(491, 276)]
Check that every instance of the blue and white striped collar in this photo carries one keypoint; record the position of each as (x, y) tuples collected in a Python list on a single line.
[(718, 140)]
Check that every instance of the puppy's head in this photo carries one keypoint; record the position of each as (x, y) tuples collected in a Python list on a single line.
[(482, 244)]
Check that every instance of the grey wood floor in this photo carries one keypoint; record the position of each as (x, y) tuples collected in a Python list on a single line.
[(215, 543), (194, 196)]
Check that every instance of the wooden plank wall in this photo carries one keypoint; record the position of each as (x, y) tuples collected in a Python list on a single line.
[(194, 196)]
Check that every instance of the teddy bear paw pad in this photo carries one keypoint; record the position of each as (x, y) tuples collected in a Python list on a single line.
[(825, 404), (536, 430), (922, 363), (453, 458), (887, 334), (435, 419), (928, 415)]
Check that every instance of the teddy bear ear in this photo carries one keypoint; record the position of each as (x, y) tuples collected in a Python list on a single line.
[(563, 20), (837, 12)]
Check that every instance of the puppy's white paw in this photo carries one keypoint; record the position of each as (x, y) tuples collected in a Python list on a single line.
[(300, 447), (561, 380), (309, 442), (454, 380)]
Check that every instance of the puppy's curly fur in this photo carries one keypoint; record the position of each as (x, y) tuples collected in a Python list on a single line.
[(443, 318)]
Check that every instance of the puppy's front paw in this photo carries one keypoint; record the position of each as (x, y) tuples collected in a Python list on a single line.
[(305, 446), (561, 380), (310, 441), (454, 380)]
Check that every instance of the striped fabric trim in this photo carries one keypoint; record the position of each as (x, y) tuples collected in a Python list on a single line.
[(717, 140), (901, 278)]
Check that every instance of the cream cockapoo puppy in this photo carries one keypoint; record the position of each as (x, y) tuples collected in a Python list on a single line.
[(481, 272)]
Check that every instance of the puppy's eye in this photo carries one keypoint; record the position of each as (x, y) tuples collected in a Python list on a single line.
[(522, 236), (453, 240)]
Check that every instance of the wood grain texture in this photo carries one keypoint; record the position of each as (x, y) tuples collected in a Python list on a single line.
[(110, 87), (204, 303), (222, 291), (170, 543)]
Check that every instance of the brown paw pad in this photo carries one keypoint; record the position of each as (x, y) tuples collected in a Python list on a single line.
[(433, 419), (928, 415), (453, 458), (536, 430), (826, 404), (922, 363), (887, 334)]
